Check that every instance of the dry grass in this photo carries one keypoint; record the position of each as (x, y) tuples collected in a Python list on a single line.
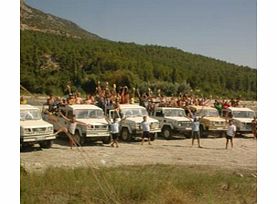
[(161, 184)]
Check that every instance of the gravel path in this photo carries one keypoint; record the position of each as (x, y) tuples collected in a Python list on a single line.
[(174, 152)]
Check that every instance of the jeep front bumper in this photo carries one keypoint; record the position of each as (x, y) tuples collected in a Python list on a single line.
[(36, 138), (137, 132), (182, 129), (98, 134)]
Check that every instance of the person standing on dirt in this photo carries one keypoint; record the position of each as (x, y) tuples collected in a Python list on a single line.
[(71, 129), (145, 125), (114, 128), (254, 127), (230, 134), (196, 131)]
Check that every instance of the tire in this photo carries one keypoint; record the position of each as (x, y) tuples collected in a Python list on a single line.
[(188, 135), (26, 146), (125, 136), (167, 133), (222, 134), (46, 144), (152, 137), (107, 140), (203, 133), (80, 140)]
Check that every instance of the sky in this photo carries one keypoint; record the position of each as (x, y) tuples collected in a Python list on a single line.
[(221, 29)]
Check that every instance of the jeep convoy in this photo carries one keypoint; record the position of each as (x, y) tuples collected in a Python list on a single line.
[(168, 121), (242, 118), (173, 121), (93, 116), (33, 129), (130, 117), (210, 121)]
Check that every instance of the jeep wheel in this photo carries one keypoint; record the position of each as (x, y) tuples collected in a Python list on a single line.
[(107, 140), (80, 140), (125, 136), (26, 146), (203, 133), (152, 137), (167, 133), (46, 144)]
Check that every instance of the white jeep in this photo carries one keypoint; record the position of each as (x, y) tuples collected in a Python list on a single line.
[(93, 116), (130, 119), (173, 121), (33, 129), (242, 118)]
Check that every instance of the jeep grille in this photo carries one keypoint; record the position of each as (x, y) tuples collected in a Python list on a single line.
[(219, 123), (248, 126), (39, 130), (101, 127), (186, 123)]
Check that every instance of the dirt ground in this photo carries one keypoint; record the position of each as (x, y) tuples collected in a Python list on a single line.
[(174, 152)]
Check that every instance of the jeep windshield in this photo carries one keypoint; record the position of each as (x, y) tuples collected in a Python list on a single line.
[(174, 113), (208, 113), (31, 114), (134, 112), (89, 113), (243, 114)]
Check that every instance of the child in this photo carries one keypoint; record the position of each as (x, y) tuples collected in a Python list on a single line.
[(230, 134), (145, 125), (114, 127), (195, 131)]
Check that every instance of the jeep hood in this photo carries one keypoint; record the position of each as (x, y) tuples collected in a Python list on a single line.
[(34, 124), (94, 121), (244, 120), (179, 119), (139, 119), (215, 119)]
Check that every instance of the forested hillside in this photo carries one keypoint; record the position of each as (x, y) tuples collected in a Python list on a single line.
[(49, 61)]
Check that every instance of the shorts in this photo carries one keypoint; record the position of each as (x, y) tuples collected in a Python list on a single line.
[(115, 136), (145, 134), (195, 134), (228, 137)]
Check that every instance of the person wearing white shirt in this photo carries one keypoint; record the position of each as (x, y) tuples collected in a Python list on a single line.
[(114, 128), (230, 134), (145, 125)]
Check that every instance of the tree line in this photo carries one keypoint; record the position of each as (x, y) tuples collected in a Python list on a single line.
[(48, 62)]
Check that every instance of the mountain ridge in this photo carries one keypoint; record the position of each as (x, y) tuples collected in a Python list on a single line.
[(36, 20)]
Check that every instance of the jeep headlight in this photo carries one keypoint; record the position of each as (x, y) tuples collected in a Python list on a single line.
[(134, 125), (179, 124), (50, 129), (176, 123), (27, 130), (137, 126), (212, 123), (242, 125)]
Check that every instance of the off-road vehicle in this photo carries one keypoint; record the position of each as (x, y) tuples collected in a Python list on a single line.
[(210, 121), (93, 116), (33, 129), (242, 118), (130, 118), (173, 121)]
